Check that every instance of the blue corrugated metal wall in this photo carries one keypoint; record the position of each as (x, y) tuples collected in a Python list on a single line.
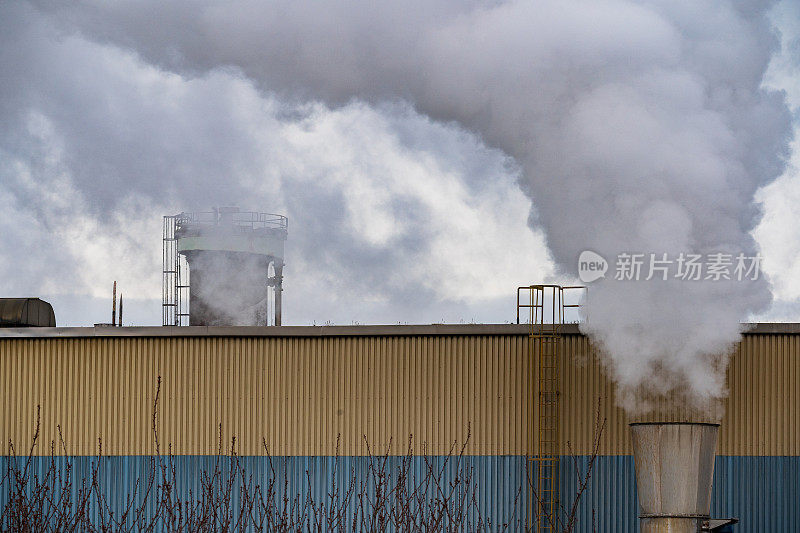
[(497, 482), (763, 492), (610, 498)]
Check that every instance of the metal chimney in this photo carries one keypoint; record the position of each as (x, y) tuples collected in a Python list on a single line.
[(674, 473)]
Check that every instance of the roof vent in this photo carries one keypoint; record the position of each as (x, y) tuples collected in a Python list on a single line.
[(26, 312)]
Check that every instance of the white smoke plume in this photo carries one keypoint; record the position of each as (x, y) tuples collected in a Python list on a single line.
[(639, 127), (394, 217)]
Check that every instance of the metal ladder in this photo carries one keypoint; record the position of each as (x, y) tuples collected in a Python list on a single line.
[(175, 277), (546, 307)]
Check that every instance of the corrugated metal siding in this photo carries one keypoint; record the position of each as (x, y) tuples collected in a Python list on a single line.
[(762, 492), (761, 412), (300, 393), (585, 388), (610, 498), (497, 483)]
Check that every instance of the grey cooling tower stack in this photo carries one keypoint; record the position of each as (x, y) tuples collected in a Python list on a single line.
[(674, 473)]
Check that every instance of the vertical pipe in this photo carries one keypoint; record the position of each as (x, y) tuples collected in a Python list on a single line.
[(278, 291), (120, 309), (164, 302), (177, 280)]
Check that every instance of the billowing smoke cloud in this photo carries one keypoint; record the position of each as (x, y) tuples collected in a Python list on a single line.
[(640, 127), (393, 217)]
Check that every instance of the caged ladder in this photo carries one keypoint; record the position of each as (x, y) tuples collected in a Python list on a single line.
[(546, 305)]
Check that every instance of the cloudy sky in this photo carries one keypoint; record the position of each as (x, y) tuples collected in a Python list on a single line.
[(409, 197)]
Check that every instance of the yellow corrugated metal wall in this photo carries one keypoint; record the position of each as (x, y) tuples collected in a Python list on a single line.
[(300, 393), (761, 415)]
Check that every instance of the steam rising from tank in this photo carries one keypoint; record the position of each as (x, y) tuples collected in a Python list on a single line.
[(234, 262)]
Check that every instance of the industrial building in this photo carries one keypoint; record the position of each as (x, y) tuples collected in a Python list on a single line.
[(305, 401)]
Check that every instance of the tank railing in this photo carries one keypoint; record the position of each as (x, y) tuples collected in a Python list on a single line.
[(243, 219)]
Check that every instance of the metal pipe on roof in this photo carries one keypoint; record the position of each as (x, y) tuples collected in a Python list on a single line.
[(278, 292)]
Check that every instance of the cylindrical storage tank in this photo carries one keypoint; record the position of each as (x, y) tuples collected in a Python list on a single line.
[(674, 473), (235, 263), (227, 288)]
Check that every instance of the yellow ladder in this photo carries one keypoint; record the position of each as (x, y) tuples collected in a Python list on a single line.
[(546, 307)]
